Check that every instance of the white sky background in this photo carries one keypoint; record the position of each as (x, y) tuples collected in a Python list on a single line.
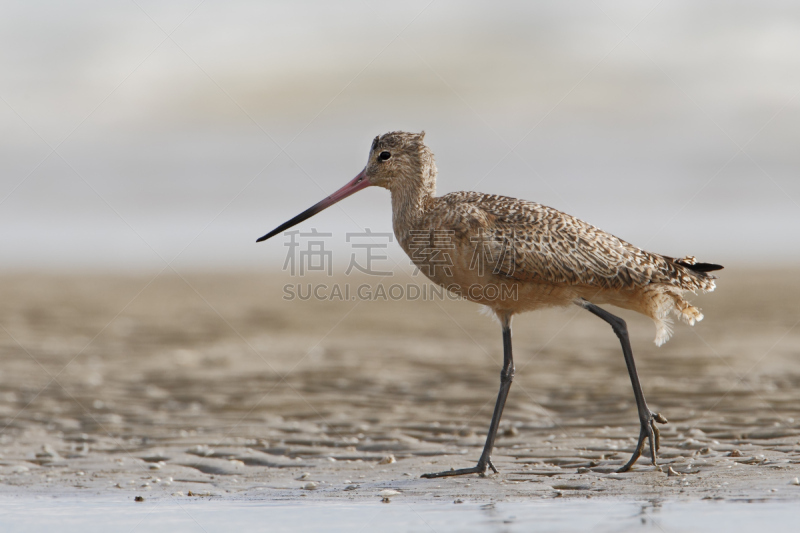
[(673, 125)]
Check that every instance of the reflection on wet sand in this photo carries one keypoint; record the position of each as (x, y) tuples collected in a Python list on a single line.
[(213, 384)]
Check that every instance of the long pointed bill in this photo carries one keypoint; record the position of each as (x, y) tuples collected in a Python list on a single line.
[(358, 183)]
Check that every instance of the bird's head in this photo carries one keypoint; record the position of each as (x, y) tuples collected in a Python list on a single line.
[(397, 161)]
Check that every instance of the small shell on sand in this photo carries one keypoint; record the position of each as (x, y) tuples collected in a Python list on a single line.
[(311, 486), (387, 494), (389, 459)]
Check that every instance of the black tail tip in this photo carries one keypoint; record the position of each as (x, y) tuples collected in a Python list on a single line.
[(701, 267)]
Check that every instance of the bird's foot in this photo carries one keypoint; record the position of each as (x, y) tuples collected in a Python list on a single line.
[(650, 431), (479, 469)]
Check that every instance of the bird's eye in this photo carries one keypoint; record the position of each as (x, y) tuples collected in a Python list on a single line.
[(383, 156)]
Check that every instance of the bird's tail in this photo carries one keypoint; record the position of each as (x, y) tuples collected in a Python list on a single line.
[(691, 263), (695, 276)]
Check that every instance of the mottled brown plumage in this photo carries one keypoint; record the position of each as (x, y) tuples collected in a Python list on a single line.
[(551, 257)]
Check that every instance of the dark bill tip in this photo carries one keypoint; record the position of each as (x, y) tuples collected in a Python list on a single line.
[(308, 213)]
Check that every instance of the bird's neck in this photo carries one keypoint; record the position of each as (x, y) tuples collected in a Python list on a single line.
[(411, 200)]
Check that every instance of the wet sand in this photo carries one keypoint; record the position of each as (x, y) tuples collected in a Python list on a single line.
[(212, 384)]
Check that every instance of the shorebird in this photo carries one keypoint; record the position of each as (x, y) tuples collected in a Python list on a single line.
[(514, 256)]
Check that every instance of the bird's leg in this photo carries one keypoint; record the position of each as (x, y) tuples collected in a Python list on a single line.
[(506, 376), (647, 418)]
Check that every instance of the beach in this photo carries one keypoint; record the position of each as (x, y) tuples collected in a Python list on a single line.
[(219, 385)]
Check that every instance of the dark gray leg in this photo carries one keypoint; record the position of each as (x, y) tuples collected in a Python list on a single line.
[(506, 376), (647, 418)]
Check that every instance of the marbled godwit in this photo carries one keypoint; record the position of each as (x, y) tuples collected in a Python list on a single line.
[(532, 256)]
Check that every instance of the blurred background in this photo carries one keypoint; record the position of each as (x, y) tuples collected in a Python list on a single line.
[(137, 134), (145, 145)]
